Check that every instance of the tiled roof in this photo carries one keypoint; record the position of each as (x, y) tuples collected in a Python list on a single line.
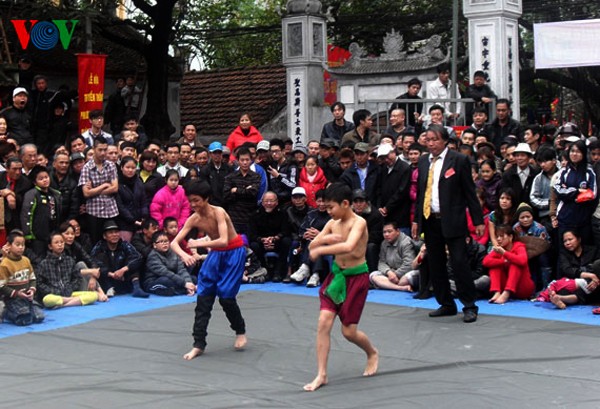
[(378, 66), (214, 100)]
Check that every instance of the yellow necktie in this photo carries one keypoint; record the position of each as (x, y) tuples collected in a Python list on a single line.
[(427, 199)]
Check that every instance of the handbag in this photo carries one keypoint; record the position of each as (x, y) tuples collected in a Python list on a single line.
[(585, 196), (534, 245)]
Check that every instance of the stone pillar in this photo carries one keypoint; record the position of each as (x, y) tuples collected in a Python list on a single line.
[(304, 54), (493, 45)]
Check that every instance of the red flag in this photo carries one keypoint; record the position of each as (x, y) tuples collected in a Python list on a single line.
[(91, 86)]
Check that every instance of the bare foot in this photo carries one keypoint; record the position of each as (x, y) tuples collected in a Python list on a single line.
[(194, 352), (372, 363), (494, 298), (503, 298), (240, 342), (555, 299), (319, 381), (406, 288)]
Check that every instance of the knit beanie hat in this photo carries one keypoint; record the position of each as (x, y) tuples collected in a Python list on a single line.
[(523, 207)]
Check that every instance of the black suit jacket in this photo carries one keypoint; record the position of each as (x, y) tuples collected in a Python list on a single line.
[(456, 191)]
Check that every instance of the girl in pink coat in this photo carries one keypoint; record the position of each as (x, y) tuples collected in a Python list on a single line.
[(170, 201)]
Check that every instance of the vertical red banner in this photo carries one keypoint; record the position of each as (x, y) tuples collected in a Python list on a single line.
[(91, 86)]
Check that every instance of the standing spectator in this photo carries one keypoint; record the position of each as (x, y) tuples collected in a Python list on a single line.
[(18, 118), (240, 192), (214, 174), (362, 207), (170, 201), (328, 160), (190, 136), (442, 217), (41, 211), (39, 99), (28, 154), (397, 123), (100, 185), (151, 179), (520, 177), (173, 156), (413, 110), (312, 179), (95, 131), (244, 132), (337, 128), (363, 174), (13, 186), (115, 108), (283, 173), (362, 130), (394, 188), (131, 200), (131, 94), (60, 180), (119, 263), (440, 90), (503, 125), (481, 93)]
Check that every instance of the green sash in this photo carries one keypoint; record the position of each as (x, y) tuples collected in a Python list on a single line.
[(336, 290)]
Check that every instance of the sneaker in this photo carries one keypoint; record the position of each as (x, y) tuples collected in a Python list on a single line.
[(313, 281), (111, 292), (301, 274)]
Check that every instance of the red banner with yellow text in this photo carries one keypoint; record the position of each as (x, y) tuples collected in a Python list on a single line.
[(91, 86)]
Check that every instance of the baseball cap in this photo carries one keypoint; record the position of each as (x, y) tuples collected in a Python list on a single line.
[(19, 90), (215, 146), (300, 148), (76, 156), (328, 143), (263, 146), (361, 147), (226, 150), (384, 149), (298, 191)]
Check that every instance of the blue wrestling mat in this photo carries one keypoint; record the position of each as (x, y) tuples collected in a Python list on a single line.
[(125, 305)]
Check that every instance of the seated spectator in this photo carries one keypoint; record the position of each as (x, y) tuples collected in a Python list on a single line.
[(363, 208), (165, 272), (170, 201), (295, 216), (394, 270), (18, 284), (489, 182), (312, 179), (84, 263), (312, 225), (131, 200), (119, 263), (475, 254), (81, 238), (266, 234), (503, 214), (142, 240), (579, 269), (508, 268), (254, 272), (41, 209), (59, 281), (536, 240)]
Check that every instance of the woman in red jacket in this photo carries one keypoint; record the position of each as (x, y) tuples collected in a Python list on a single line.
[(312, 179), (242, 133), (508, 268)]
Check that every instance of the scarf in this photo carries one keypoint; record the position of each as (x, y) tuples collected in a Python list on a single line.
[(336, 290)]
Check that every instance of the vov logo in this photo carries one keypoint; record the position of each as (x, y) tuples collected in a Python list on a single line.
[(44, 35)]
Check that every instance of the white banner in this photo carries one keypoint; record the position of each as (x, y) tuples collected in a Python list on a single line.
[(567, 44)]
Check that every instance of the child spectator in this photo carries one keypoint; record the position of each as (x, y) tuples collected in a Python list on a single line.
[(165, 272), (394, 271), (312, 179), (170, 200), (508, 268), (18, 284), (41, 209), (59, 280), (374, 219)]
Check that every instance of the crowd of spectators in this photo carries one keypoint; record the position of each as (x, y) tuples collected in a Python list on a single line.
[(87, 216)]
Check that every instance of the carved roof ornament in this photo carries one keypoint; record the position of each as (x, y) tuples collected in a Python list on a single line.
[(304, 7), (393, 44), (395, 58)]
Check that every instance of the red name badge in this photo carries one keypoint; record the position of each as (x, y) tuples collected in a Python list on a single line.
[(450, 172)]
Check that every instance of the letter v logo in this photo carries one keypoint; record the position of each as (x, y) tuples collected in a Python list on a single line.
[(65, 34), (22, 32)]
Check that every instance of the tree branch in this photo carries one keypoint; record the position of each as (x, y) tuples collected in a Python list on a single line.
[(149, 10)]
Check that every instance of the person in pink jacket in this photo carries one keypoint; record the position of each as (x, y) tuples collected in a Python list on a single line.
[(171, 201), (508, 268), (244, 132), (312, 179)]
